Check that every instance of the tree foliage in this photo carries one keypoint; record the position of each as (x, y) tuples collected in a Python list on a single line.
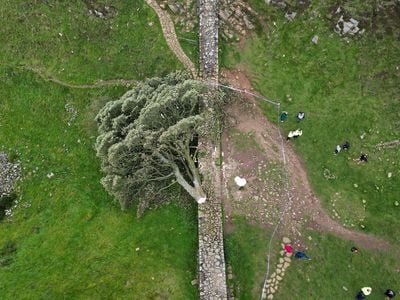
[(148, 139)]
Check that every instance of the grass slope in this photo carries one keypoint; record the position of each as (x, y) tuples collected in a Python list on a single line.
[(347, 89), (66, 238), (73, 45), (332, 267), (70, 240)]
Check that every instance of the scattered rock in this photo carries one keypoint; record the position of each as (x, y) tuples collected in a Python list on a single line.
[(290, 15), (347, 27), (174, 8), (315, 39), (287, 259)]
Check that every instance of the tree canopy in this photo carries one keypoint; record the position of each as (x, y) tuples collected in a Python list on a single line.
[(148, 139)]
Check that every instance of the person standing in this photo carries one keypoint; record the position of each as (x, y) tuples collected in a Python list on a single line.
[(283, 117), (338, 149), (301, 115), (390, 294), (365, 291)]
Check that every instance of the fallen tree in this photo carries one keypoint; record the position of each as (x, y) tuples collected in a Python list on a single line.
[(148, 139)]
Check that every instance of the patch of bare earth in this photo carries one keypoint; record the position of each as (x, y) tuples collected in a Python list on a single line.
[(267, 194)]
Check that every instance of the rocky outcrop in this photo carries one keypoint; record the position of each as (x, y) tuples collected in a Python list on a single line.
[(9, 174)]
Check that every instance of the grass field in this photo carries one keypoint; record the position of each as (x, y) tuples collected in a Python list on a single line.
[(332, 270), (67, 238), (348, 90), (67, 41), (70, 239)]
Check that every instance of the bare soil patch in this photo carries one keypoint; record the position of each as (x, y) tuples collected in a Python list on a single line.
[(266, 194)]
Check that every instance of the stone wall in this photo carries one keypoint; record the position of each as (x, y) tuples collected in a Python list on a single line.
[(212, 277), (208, 39), (236, 17)]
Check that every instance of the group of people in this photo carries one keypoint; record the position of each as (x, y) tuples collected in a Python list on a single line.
[(298, 132), (298, 254), (362, 294), (294, 133), (284, 116), (366, 291), (346, 146)]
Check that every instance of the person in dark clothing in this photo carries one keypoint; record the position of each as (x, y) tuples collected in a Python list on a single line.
[(301, 255), (346, 146), (390, 294), (365, 291), (283, 117), (363, 158), (360, 296)]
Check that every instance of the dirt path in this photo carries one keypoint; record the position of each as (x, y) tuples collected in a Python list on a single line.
[(168, 29), (99, 83), (265, 195)]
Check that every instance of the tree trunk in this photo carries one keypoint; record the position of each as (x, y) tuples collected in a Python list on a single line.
[(196, 192)]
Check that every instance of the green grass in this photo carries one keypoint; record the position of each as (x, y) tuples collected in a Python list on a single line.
[(67, 238), (331, 267), (245, 250), (72, 45), (346, 89), (243, 141)]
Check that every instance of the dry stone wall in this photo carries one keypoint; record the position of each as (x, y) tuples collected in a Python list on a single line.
[(236, 17), (212, 277)]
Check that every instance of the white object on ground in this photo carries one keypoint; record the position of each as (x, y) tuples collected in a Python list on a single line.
[(366, 290), (241, 182), (201, 200), (295, 133)]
